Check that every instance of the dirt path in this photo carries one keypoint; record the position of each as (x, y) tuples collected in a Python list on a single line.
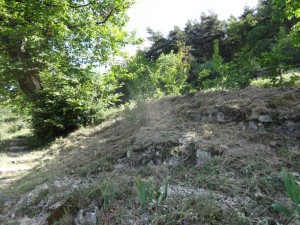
[(17, 160), (16, 164)]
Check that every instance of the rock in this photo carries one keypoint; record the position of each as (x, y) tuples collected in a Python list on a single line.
[(273, 143), (266, 220), (293, 147), (119, 167), (86, 217), (13, 215), (183, 191), (253, 126), (145, 218), (296, 174), (59, 212), (130, 222), (228, 114), (151, 163), (242, 125), (265, 119), (194, 116), (261, 128), (253, 115), (30, 221), (173, 161), (187, 144), (202, 157), (159, 147), (55, 206), (291, 129), (221, 117), (185, 140)]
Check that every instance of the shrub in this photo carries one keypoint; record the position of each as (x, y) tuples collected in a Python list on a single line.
[(170, 74), (66, 104)]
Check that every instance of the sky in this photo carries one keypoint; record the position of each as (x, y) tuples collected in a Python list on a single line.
[(163, 15)]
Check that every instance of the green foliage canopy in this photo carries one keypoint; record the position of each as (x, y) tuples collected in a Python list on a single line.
[(50, 35), (67, 103), (171, 73), (265, 37), (48, 51), (141, 78), (290, 9)]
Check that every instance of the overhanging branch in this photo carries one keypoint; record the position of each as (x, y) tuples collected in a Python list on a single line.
[(79, 6), (108, 15)]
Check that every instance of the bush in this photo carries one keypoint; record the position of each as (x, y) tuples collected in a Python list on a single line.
[(170, 74), (141, 79), (66, 104)]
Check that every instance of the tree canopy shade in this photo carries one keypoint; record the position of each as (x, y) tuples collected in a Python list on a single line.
[(53, 36)]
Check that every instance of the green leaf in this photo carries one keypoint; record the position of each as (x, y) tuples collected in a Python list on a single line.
[(291, 186), (279, 207)]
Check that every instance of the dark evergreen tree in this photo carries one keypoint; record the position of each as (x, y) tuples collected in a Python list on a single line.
[(159, 45), (201, 35)]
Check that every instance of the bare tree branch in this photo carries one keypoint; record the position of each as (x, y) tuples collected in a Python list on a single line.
[(108, 15)]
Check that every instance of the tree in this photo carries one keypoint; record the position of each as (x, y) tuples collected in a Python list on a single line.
[(201, 35), (170, 73), (48, 51), (134, 78), (290, 10), (283, 56), (39, 37), (177, 39), (160, 45)]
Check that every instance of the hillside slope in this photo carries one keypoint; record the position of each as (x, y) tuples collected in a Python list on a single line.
[(220, 153)]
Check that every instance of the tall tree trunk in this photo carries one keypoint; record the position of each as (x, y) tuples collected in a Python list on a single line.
[(29, 83), (29, 79)]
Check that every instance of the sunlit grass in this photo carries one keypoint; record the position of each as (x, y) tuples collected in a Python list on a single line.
[(12, 125), (289, 79)]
